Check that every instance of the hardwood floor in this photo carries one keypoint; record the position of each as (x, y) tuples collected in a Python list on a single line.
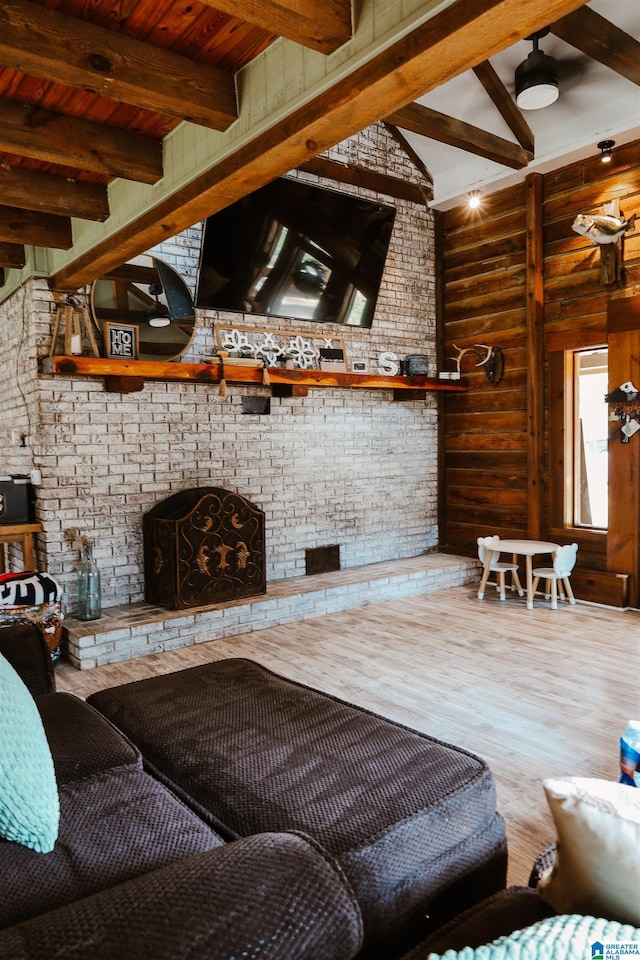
[(537, 693)]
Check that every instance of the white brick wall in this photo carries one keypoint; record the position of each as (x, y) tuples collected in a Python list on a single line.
[(353, 468), (183, 254)]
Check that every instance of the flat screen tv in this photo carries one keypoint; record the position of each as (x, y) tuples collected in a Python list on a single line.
[(292, 249)]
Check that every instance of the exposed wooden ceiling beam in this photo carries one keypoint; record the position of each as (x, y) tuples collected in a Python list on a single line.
[(455, 39), (79, 144), (600, 39), (322, 25), (444, 129), (133, 273), (12, 255), (35, 229), (45, 43), (505, 104), (46, 193), (416, 160), (363, 177)]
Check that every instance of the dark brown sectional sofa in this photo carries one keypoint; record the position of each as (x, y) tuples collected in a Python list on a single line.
[(136, 874), (224, 811)]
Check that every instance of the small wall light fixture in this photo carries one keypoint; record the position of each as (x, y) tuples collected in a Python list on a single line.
[(474, 199), (606, 147)]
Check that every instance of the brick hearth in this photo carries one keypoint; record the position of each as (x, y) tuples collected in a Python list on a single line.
[(134, 630)]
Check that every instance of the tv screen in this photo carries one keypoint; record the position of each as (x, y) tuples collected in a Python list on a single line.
[(295, 250)]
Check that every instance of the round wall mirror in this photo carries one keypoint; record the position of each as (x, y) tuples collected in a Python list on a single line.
[(150, 294)]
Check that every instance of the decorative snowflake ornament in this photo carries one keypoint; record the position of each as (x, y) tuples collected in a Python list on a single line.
[(268, 350), (304, 354), (236, 340)]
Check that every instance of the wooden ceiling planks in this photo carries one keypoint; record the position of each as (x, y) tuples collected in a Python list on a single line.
[(322, 25), (58, 98), (193, 29), (42, 43)]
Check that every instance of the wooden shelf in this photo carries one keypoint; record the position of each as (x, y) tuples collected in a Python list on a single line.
[(125, 376)]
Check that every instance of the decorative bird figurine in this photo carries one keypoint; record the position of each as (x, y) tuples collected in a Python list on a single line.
[(601, 229)]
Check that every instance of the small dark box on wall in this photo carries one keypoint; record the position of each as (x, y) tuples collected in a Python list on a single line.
[(17, 503), (322, 559)]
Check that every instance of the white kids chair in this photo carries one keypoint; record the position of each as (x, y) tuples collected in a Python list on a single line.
[(564, 560), (497, 566)]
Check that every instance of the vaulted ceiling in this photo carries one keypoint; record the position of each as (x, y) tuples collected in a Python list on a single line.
[(484, 140), (122, 123)]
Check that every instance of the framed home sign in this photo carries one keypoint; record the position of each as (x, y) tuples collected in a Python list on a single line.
[(120, 340)]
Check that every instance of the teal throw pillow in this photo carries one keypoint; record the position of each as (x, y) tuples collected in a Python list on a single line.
[(565, 937), (29, 804)]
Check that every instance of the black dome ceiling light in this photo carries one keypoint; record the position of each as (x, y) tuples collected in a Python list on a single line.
[(537, 77)]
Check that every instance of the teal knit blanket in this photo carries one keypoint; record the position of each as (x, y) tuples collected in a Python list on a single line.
[(565, 937)]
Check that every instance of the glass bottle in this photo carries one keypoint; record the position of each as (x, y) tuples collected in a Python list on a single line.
[(89, 598)]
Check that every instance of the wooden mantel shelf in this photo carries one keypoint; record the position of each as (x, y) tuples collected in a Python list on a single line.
[(125, 376)]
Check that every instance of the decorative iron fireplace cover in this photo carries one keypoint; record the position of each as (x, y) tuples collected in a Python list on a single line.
[(203, 546)]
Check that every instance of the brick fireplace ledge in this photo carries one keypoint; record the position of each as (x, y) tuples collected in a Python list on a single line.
[(136, 630)]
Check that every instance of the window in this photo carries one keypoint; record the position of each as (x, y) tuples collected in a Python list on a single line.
[(586, 455)]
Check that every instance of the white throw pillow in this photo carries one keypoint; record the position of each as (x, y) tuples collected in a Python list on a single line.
[(597, 865)]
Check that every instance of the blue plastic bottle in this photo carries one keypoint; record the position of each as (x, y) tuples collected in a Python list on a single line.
[(630, 754)]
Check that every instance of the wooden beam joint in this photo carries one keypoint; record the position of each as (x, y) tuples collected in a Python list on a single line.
[(370, 179)]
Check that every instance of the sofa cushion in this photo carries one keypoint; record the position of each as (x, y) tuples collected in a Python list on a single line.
[(272, 897), (406, 816), (115, 825), (29, 807), (82, 741)]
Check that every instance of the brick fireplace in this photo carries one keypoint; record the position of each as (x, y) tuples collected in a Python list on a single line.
[(352, 469)]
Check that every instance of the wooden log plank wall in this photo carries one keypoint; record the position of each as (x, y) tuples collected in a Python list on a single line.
[(515, 276)]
